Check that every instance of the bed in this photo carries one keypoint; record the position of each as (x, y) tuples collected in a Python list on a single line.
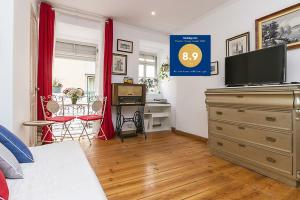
[(60, 172)]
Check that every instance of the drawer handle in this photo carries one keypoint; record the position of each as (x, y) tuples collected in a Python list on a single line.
[(240, 96), (271, 119), (271, 160), (242, 145), (271, 139), (241, 128), (220, 143), (241, 110), (219, 113), (219, 128)]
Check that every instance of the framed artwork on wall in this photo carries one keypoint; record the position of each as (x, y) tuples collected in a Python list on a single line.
[(119, 65), (238, 44), (124, 46), (214, 68), (279, 27)]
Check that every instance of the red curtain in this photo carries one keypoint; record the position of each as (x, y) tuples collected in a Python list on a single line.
[(107, 125), (46, 42)]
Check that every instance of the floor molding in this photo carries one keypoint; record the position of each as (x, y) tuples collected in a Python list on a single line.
[(190, 135)]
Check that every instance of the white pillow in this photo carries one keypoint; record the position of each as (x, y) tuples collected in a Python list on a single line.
[(9, 165)]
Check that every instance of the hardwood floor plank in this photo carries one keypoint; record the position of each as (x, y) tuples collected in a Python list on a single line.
[(169, 166)]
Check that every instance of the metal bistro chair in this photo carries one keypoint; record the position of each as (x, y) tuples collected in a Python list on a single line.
[(51, 112), (97, 113)]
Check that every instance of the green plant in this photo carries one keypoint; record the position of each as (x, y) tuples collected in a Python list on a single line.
[(151, 84), (164, 72)]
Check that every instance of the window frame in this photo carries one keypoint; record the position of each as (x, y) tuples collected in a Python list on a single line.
[(89, 76), (144, 63)]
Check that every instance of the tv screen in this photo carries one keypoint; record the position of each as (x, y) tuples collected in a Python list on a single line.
[(257, 67)]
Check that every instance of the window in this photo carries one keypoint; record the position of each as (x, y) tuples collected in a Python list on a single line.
[(147, 71), (90, 84), (75, 65)]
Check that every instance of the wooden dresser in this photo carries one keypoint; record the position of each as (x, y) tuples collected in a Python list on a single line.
[(258, 128)]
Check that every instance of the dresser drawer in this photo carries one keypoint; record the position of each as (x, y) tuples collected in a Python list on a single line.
[(274, 119), (271, 139), (284, 99), (261, 157)]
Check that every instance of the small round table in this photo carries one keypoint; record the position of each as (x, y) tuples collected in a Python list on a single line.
[(41, 123)]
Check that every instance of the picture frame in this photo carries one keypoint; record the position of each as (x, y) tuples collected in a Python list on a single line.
[(214, 68), (279, 27), (119, 64), (124, 46), (238, 44)]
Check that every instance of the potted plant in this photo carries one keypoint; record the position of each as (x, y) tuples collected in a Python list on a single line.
[(74, 94), (151, 84), (164, 72), (56, 86)]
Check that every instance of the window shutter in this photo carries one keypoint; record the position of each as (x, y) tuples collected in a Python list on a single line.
[(75, 50)]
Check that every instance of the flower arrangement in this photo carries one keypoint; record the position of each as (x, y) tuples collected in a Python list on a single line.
[(74, 93)]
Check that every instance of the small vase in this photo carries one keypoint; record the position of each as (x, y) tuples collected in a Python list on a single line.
[(74, 100)]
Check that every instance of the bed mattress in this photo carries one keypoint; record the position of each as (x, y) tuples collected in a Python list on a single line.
[(60, 172)]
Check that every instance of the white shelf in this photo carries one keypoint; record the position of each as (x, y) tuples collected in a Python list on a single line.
[(157, 114), (158, 104)]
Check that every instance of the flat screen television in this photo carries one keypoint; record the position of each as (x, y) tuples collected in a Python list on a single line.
[(264, 66)]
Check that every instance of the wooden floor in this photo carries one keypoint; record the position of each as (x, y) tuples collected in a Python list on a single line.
[(168, 166)]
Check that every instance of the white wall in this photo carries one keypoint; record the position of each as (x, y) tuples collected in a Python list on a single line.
[(21, 71), (6, 63), (233, 18), (135, 34), (138, 36), (15, 69)]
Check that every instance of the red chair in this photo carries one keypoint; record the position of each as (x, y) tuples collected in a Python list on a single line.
[(96, 114), (51, 109)]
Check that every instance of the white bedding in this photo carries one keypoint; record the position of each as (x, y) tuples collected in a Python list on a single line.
[(60, 172)]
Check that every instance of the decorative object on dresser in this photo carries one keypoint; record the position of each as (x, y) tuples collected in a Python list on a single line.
[(119, 66), (125, 46), (128, 80), (238, 44), (279, 27), (257, 127), (214, 68), (129, 95)]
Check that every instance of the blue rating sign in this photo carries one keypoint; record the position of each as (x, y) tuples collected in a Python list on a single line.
[(190, 55)]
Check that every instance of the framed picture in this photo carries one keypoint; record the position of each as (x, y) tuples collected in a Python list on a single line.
[(124, 46), (279, 27), (214, 68), (119, 66), (238, 44)]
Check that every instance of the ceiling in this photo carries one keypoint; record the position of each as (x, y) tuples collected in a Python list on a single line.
[(170, 14)]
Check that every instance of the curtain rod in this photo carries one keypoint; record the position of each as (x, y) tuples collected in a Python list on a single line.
[(77, 12)]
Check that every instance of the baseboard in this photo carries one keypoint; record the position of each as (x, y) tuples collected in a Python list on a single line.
[(190, 135)]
